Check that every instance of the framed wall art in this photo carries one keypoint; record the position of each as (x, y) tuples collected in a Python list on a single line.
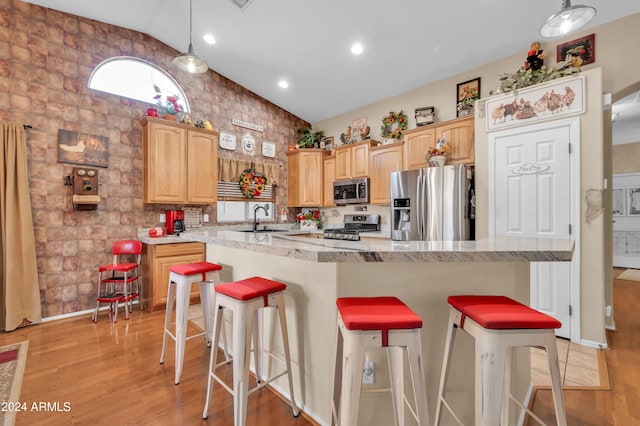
[(583, 47), (466, 94), (424, 116), (82, 148)]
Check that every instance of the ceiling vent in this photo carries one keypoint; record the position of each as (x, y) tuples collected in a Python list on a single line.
[(242, 4)]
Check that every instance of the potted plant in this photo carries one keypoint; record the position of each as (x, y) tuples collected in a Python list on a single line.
[(437, 156), (309, 219), (307, 138)]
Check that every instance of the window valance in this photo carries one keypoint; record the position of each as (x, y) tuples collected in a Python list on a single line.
[(229, 170)]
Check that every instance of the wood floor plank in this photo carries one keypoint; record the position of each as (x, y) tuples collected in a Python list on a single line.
[(620, 405), (112, 375)]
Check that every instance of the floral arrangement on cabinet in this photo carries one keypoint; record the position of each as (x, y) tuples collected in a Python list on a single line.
[(309, 219), (436, 156)]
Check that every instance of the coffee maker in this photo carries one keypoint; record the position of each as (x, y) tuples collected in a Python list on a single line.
[(175, 221)]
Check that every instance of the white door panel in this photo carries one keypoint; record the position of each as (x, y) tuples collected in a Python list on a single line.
[(532, 190)]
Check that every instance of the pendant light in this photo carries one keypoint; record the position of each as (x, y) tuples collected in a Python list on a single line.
[(567, 20), (189, 61)]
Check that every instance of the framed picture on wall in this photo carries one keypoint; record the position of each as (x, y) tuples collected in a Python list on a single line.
[(583, 48), (466, 94), (634, 201), (619, 198), (82, 148)]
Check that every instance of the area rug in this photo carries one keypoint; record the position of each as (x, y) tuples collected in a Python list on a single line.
[(630, 275), (12, 362)]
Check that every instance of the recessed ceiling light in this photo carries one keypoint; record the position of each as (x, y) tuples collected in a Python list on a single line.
[(357, 49), (209, 38), (283, 84)]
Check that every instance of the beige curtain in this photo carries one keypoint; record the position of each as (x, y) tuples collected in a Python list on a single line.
[(229, 170), (20, 291)]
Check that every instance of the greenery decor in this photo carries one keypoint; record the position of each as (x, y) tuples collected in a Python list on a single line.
[(251, 183), (308, 138), (525, 78), (393, 124)]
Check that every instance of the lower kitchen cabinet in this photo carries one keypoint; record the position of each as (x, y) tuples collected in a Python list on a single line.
[(157, 259)]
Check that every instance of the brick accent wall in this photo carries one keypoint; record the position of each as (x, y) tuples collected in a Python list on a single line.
[(46, 58)]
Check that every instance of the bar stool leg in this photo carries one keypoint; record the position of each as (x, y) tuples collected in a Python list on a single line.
[(258, 348), (444, 373), (205, 293), (167, 318), (287, 356), (506, 395), (556, 380), (414, 354), (353, 360), (337, 375), (395, 361), (183, 292), (242, 329), (217, 325), (489, 374)]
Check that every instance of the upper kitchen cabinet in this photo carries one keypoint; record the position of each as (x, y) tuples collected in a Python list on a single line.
[(328, 176), (304, 177), (180, 163), (384, 159), (459, 134), (352, 160)]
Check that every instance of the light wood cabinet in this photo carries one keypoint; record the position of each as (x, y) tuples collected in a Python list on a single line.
[(328, 176), (304, 177), (156, 262), (460, 136), (384, 160), (180, 163), (352, 160)]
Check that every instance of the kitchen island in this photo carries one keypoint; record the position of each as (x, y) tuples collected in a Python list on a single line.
[(421, 273)]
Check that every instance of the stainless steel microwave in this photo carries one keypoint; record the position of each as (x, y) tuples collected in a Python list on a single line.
[(351, 191)]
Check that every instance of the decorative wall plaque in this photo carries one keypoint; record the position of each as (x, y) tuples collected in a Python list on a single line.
[(227, 141), (248, 144), (268, 149)]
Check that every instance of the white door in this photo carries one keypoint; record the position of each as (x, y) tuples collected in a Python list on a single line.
[(531, 184)]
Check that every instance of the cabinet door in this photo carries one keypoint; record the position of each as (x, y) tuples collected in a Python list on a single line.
[(165, 174), (383, 162), (416, 146), (343, 163), (460, 137), (360, 161), (328, 176), (202, 167), (304, 178)]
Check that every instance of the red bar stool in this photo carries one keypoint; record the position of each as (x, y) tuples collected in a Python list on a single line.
[(181, 277), (246, 298), (377, 322), (498, 324)]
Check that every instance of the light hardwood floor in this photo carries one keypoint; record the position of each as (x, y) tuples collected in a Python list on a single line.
[(619, 405), (112, 375)]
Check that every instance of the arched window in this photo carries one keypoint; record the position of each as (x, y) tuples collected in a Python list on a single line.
[(137, 79)]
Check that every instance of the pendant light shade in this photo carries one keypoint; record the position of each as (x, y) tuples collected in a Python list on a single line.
[(189, 61), (567, 20)]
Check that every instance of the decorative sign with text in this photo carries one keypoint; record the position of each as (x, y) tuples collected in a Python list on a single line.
[(247, 125)]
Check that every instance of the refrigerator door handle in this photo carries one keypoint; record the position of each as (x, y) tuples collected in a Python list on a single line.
[(420, 198)]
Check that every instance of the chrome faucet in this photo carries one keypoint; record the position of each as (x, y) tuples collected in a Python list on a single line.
[(255, 213)]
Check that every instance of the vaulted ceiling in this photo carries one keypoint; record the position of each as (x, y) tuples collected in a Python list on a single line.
[(407, 43)]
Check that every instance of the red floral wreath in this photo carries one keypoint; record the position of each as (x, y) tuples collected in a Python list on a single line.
[(251, 183)]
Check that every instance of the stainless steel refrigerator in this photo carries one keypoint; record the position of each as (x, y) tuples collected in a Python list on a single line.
[(432, 204)]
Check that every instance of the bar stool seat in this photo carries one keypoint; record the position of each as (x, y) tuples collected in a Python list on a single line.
[(498, 324), (377, 322), (246, 299), (181, 277)]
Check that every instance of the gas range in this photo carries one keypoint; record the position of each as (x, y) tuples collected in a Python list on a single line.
[(354, 224)]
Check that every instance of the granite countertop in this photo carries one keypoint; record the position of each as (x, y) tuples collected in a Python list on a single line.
[(377, 247)]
